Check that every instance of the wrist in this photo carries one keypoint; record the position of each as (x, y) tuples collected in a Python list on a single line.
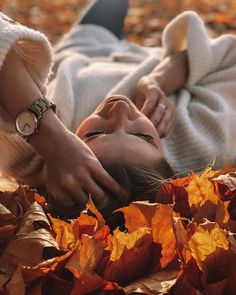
[(171, 74), (50, 135)]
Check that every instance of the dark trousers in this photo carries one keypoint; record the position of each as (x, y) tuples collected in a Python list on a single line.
[(109, 14)]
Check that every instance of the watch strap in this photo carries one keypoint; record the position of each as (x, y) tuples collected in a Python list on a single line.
[(40, 106)]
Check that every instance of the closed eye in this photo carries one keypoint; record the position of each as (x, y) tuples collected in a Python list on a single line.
[(146, 137), (94, 133)]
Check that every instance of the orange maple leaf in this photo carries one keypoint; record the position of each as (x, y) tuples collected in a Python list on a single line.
[(158, 217), (64, 234), (130, 256)]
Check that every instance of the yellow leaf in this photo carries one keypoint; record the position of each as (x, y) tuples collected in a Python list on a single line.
[(122, 241), (205, 240), (200, 190)]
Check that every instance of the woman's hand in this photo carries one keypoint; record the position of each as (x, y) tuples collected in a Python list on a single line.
[(74, 172), (152, 101), (152, 90)]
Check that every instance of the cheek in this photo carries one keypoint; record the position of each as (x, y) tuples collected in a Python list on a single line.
[(86, 125), (79, 132)]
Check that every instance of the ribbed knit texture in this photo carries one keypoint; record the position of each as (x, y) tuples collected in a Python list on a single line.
[(91, 63)]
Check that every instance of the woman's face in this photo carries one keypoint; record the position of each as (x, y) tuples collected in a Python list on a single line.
[(118, 132)]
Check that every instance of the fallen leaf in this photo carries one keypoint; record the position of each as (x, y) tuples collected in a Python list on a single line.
[(158, 217), (206, 240), (157, 283), (16, 284), (228, 179), (200, 190), (64, 234), (131, 254)]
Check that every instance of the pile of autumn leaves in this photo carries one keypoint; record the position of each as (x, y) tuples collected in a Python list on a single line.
[(186, 247)]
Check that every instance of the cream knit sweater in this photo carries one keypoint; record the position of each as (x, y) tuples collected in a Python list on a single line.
[(90, 63)]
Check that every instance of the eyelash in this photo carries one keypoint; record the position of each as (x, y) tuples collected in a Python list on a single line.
[(91, 134), (146, 137)]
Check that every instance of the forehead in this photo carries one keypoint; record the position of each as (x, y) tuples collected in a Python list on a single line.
[(124, 148)]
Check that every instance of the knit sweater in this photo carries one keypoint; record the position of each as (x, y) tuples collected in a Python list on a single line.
[(90, 63)]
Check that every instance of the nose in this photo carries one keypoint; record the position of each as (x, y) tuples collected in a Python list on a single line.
[(120, 112)]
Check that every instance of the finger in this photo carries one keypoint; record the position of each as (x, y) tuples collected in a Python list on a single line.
[(103, 177), (139, 100), (169, 124), (154, 96), (78, 194), (93, 188), (162, 128), (157, 116)]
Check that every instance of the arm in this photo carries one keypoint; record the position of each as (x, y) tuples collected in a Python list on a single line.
[(152, 90), (171, 74), (72, 169)]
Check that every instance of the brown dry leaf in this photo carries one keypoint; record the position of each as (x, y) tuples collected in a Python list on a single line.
[(222, 213), (17, 202), (206, 239), (16, 284), (157, 283), (7, 184), (183, 287), (19, 250), (228, 179), (8, 226), (219, 273)]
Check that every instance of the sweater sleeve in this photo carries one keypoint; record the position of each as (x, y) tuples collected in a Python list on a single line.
[(34, 49), (18, 158), (32, 45), (205, 109)]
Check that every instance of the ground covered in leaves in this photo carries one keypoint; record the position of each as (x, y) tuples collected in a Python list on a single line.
[(187, 246), (144, 24)]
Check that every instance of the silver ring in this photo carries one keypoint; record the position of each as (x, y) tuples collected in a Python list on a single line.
[(162, 107)]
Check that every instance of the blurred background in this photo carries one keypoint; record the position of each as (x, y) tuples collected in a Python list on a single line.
[(144, 24)]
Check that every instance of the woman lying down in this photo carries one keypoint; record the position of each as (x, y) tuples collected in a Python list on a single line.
[(166, 110)]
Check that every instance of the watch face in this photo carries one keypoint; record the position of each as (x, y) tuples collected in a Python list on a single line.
[(26, 123)]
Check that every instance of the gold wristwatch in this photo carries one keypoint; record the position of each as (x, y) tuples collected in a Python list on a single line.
[(27, 121)]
